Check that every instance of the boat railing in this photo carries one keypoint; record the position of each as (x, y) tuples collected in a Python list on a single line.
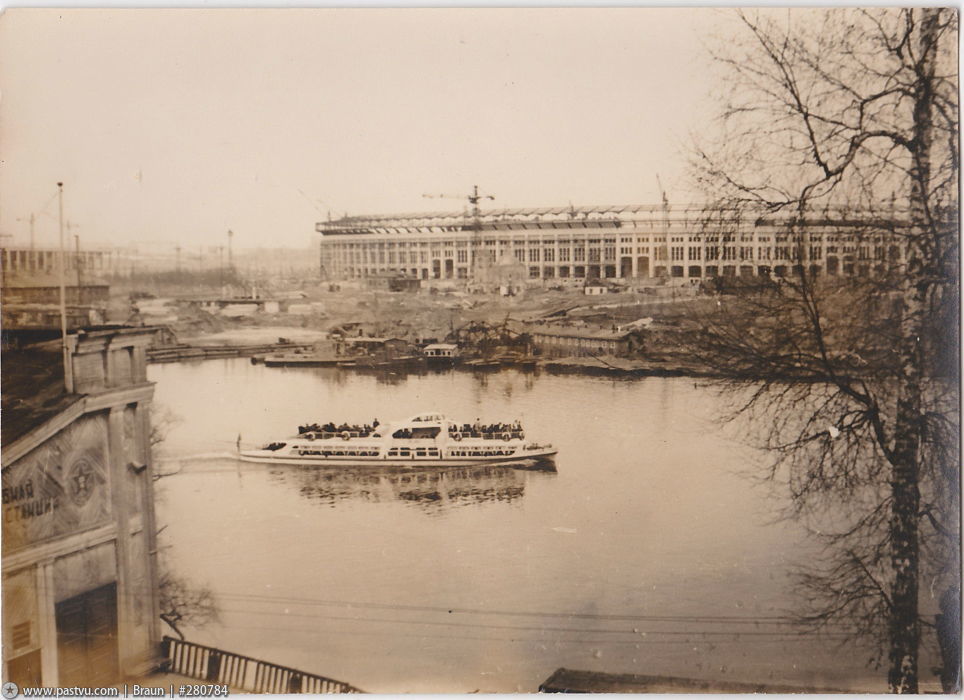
[(495, 435)]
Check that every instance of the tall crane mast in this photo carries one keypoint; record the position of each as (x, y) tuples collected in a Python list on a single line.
[(664, 248), (476, 240)]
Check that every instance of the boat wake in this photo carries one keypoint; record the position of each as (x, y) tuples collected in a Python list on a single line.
[(200, 456)]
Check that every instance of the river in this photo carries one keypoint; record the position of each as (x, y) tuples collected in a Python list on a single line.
[(648, 551)]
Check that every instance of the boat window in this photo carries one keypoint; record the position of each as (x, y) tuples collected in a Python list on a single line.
[(420, 452), (405, 452), (433, 451)]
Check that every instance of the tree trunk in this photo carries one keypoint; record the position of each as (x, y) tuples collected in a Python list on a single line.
[(905, 547)]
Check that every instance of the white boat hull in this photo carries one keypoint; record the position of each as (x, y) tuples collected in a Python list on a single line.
[(427, 440)]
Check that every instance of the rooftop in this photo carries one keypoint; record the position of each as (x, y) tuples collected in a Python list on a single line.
[(33, 389), (595, 216)]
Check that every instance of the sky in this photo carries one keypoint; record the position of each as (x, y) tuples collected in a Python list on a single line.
[(174, 126)]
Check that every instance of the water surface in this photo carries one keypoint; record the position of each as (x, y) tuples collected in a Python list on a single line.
[(645, 552)]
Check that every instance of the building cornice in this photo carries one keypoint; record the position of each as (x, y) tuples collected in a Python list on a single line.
[(87, 404)]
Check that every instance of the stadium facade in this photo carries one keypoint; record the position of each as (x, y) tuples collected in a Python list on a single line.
[(632, 242)]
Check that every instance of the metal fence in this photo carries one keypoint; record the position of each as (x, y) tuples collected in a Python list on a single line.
[(242, 673)]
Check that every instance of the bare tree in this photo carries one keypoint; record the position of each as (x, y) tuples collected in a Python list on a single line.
[(842, 126), (185, 604), (181, 602)]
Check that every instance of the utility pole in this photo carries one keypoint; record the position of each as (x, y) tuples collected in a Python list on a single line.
[(77, 263), (70, 227), (68, 370), (230, 258), (31, 220)]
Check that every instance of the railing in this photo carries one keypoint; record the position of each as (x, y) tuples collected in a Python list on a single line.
[(242, 673)]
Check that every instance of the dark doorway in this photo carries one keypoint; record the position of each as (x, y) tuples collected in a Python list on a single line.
[(87, 639)]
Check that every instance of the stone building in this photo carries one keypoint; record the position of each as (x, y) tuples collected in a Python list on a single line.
[(80, 593), (30, 291)]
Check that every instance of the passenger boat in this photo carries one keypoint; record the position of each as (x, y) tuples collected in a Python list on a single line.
[(425, 440)]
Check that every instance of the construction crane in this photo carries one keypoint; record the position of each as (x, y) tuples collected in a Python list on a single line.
[(474, 197), (664, 249)]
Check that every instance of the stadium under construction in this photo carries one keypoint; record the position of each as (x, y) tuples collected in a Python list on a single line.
[(576, 244)]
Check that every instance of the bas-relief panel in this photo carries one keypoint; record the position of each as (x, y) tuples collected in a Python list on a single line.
[(60, 488)]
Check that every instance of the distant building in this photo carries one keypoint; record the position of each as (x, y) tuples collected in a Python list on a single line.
[(80, 582), (45, 289), (561, 341), (34, 261), (31, 300), (441, 351), (640, 242)]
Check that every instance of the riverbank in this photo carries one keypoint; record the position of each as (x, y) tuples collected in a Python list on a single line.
[(209, 348), (621, 366)]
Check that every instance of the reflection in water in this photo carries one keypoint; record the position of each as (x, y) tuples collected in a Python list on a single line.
[(433, 489)]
